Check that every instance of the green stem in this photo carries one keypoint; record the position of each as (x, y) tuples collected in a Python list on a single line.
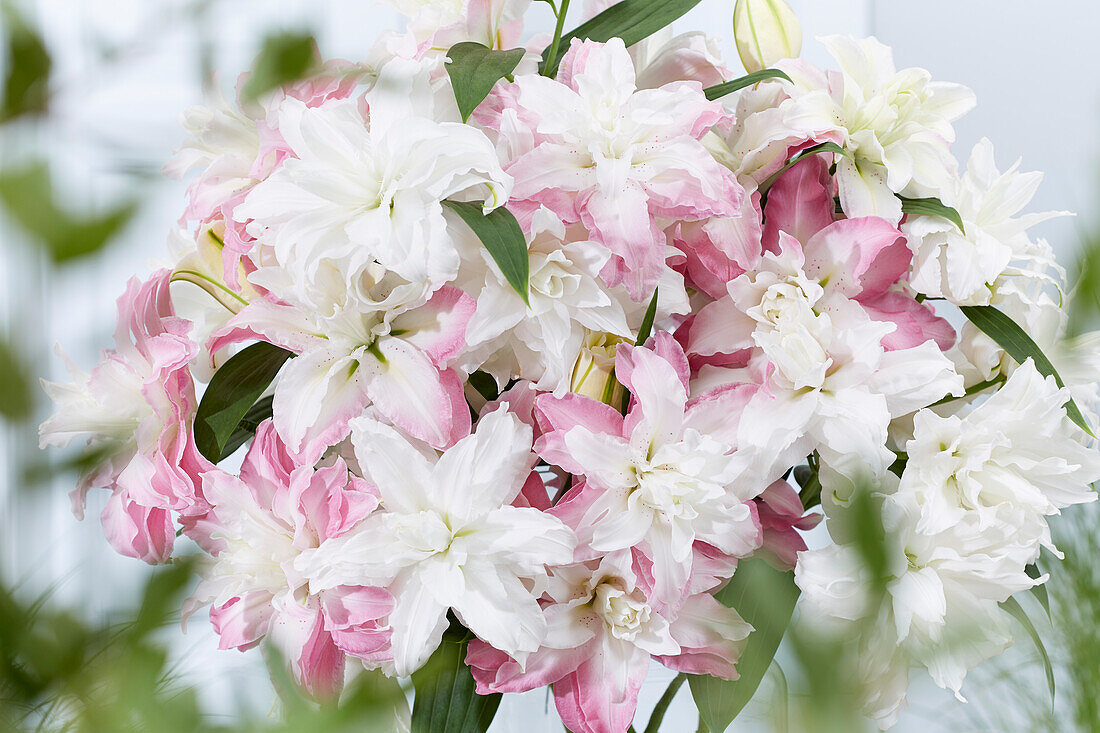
[(811, 492), (702, 725), (552, 52), (658, 715), (979, 387)]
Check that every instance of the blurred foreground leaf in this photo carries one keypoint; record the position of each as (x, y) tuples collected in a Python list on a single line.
[(15, 388), (59, 671), (27, 194), (26, 86), (284, 58), (1016, 610)]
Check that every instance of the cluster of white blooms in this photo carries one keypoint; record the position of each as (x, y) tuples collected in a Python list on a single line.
[(530, 340)]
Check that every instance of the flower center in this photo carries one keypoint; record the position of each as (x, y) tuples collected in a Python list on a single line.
[(624, 615), (424, 531), (667, 491)]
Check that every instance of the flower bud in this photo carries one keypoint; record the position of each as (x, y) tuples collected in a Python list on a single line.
[(594, 373), (766, 31)]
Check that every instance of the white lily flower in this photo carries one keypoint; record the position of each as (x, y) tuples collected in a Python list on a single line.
[(358, 191), (967, 267), (1017, 449), (566, 301), (447, 538), (897, 129)]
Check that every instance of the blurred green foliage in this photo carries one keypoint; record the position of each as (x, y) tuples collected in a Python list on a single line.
[(28, 196), (26, 86), (57, 673), (283, 58)]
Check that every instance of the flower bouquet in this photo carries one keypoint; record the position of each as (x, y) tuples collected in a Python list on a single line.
[(541, 357)]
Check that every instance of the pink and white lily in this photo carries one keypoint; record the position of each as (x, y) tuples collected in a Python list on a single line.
[(661, 478), (258, 524), (136, 407), (603, 630), (383, 345), (617, 158)]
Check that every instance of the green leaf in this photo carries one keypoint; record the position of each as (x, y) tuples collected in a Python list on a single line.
[(500, 233), (485, 385), (765, 597), (1013, 607), (828, 147), (232, 393), (26, 87), (475, 69), (646, 328), (720, 90), (931, 207), (246, 428), (16, 402), (630, 20), (1039, 591), (284, 58), (446, 700), (1017, 344), (27, 194)]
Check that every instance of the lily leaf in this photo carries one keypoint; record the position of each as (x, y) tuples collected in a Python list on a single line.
[(475, 69), (1039, 591), (446, 700), (246, 428), (827, 147), (720, 90), (1017, 344), (765, 597), (1013, 607), (932, 207), (646, 328), (630, 20), (232, 393), (500, 233)]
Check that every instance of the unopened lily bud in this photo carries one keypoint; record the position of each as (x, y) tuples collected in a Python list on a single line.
[(766, 31), (594, 372)]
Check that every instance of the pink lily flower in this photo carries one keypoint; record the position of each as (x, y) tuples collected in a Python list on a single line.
[(602, 632), (390, 353), (258, 524), (661, 478), (136, 406), (617, 159)]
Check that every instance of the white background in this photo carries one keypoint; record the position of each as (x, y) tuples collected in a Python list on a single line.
[(1034, 66)]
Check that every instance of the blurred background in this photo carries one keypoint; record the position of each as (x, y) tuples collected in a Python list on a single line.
[(122, 71)]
